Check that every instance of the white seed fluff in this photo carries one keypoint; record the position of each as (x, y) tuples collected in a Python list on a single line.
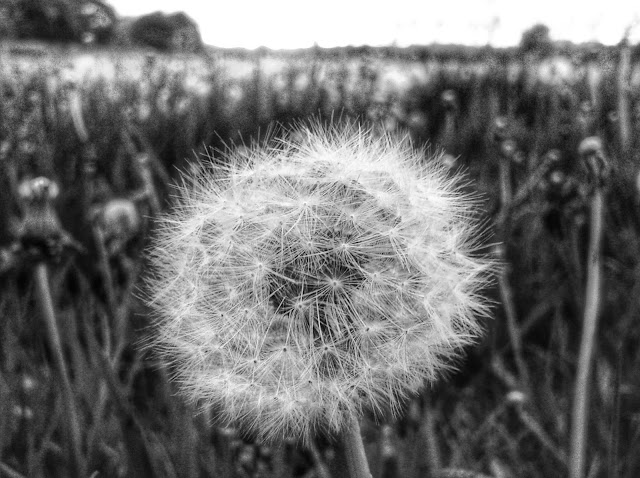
[(305, 282)]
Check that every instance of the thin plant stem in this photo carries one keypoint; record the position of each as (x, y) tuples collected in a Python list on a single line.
[(432, 449), (9, 472), (614, 433), (581, 397), (506, 292), (46, 305), (357, 463), (506, 192), (105, 269), (321, 468), (76, 115), (542, 436), (526, 190), (624, 116)]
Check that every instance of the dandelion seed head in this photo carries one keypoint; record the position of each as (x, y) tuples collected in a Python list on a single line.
[(302, 283)]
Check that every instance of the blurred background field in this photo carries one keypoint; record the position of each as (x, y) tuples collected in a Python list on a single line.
[(112, 127)]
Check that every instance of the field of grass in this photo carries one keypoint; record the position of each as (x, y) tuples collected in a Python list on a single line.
[(113, 130)]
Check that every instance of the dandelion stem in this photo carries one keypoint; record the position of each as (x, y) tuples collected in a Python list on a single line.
[(75, 101), (581, 398), (321, 468), (506, 295), (506, 192), (432, 450), (624, 116), (506, 292), (107, 278), (354, 451), (9, 472), (46, 305)]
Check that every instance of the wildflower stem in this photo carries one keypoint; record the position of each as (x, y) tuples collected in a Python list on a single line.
[(107, 278), (321, 468), (46, 305), (75, 101), (432, 450), (506, 192), (506, 292), (506, 295), (354, 450), (581, 398), (624, 116), (9, 472)]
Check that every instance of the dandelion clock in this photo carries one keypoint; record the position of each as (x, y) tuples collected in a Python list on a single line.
[(301, 284)]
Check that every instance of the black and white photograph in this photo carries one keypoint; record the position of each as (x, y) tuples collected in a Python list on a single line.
[(338, 239)]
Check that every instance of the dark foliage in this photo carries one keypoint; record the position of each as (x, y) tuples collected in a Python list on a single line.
[(510, 122), (58, 20), (163, 32), (537, 40)]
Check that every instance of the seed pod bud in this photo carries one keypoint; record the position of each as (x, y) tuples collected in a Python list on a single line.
[(500, 126), (40, 230), (508, 149), (119, 221), (593, 159), (39, 190), (516, 397), (449, 99), (552, 156), (315, 279), (557, 178), (9, 259), (590, 145)]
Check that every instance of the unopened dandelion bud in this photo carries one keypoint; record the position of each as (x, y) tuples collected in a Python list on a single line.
[(553, 177), (586, 107), (516, 397), (590, 145), (557, 178), (519, 157), (552, 156), (22, 412), (9, 259), (586, 117), (39, 190), (449, 99), (594, 160), (500, 129), (40, 231), (119, 222), (305, 282), (508, 149), (40, 225), (28, 384)]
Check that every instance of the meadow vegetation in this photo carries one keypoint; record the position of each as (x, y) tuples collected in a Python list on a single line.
[(113, 129)]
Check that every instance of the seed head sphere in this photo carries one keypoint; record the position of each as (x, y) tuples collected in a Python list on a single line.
[(299, 284)]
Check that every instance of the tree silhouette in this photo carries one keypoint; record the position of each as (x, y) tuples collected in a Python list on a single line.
[(58, 20), (536, 40), (175, 32)]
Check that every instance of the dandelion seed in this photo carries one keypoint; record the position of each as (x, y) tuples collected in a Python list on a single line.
[(341, 276)]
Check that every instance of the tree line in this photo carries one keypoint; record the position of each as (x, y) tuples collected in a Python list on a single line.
[(95, 22)]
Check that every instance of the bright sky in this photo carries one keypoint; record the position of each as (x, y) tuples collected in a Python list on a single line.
[(300, 23)]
